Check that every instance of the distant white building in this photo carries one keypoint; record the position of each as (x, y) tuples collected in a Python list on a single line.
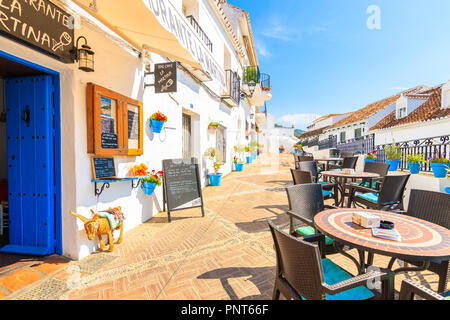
[(273, 137)]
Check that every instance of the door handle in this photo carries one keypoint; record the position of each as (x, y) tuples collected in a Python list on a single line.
[(26, 115)]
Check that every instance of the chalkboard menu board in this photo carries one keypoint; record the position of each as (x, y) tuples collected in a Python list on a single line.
[(182, 188), (110, 141), (103, 168)]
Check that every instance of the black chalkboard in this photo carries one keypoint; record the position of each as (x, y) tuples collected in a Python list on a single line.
[(182, 188), (166, 77), (103, 168), (39, 24), (110, 141)]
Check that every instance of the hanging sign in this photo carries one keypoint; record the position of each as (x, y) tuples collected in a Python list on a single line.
[(166, 77), (39, 24)]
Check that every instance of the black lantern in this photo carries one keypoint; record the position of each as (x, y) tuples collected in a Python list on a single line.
[(84, 56), (252, 87)]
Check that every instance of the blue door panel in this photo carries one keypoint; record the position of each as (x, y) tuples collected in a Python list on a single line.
[(30, 165)]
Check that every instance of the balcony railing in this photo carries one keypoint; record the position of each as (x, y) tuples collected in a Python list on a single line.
[(265, 82), (360, 145), (430, 147), (233, 90), (330, 143), (200, 32)]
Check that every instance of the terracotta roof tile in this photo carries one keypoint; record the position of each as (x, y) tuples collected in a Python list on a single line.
[(430, 110), (370, 110), (313, 133)]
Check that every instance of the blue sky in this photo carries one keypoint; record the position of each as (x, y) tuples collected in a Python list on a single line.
[(323, 58)]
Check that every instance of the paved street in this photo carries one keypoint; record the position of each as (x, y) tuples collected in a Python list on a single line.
[(226, 255)]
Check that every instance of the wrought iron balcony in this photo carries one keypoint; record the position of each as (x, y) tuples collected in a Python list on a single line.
[(200, 32), (265, 82), (233, 89)]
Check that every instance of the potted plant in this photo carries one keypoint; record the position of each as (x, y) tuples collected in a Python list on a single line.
[(253, 146), (212, 127), (282, 149), (215, 179), (248, 155), (371, 157), (158, 120), (153, 180), (297, 148), (440, 166), (415, 162), (139, 170), (238, 164), (393, 156)]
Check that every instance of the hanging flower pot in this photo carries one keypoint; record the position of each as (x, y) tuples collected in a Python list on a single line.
[(158, 120), (212, 127), (149, 188)]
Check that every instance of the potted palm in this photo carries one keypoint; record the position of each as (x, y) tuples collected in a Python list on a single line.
[(415, 162), (215, 179), (158, 120), (212, 127), (440, 166), (393, 156), (371, 157), (153, 180)]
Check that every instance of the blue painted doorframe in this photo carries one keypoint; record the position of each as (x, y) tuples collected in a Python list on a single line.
[(48, 233)]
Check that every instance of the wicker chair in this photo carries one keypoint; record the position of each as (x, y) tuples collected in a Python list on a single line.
[(302, 158), (347, 154), (388, 198), (433, 207), (311, 166), (348, 163), (410, 289), (304, 273), (304, 177)]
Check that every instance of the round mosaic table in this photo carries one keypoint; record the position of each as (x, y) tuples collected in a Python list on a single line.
[(342, 177), (421, 240)]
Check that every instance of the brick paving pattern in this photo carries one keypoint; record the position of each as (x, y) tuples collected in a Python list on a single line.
[(226, 255)]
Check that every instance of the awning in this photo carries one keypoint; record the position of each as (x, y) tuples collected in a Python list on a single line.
[(136, 23)]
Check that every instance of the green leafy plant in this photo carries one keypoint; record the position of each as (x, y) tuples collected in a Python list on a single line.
[(158, 116), (215, 156), (155, 177), (239, 148), (439, 160), (214, 124), (252, 146), (416, 158), (247, 149), (393, 152)]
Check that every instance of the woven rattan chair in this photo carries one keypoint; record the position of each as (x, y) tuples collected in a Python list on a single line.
[(410, 289), (311, 167), (346, 154), (302, 158), (304, 273), (304, 177), (388, 198), (348, 163), (433, 207)]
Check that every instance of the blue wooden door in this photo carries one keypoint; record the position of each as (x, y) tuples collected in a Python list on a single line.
[(31, 177)]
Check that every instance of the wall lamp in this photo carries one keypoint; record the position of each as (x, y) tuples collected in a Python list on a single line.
[(84, 56)]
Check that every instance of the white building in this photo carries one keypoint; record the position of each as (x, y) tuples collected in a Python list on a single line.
[(128, 38)]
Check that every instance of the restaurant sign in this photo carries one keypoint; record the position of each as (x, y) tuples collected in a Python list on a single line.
[(172, 21), (39, 24)]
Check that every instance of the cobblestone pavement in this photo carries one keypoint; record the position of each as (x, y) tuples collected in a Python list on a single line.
[(226, 255)]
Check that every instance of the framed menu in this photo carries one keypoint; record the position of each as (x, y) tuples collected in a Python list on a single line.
[(115, 123), (103, 168)]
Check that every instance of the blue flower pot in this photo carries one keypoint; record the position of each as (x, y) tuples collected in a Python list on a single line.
[(370, 160), (281, 151), (394, 164), (296, 151), (257, 153), (439, 169), (215, 180), (149, 188), (254, 156), (414, 167), (447, 190), (157, 126), (249, 160), (239, 167)]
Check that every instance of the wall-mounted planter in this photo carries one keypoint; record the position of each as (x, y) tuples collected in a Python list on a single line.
[(157, 126), (215, 179), (212, 129), (149, 188), (414, 167), (394, 164), (439, 169)]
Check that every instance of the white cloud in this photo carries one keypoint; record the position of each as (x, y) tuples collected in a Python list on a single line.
[(262, 49), (398, 88), (278, 30), (300, 120)]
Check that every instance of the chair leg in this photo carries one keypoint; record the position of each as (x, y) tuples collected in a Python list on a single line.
[(276, 294), (443, 277)]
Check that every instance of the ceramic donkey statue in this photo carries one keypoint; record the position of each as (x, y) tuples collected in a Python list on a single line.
[(103, 223)]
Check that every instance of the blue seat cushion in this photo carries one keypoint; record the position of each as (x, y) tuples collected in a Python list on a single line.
[(334, 274), (336, 170), (323, 183), (367, 184), (309, 231), (327, 193), (446, 295), (372, 197)]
